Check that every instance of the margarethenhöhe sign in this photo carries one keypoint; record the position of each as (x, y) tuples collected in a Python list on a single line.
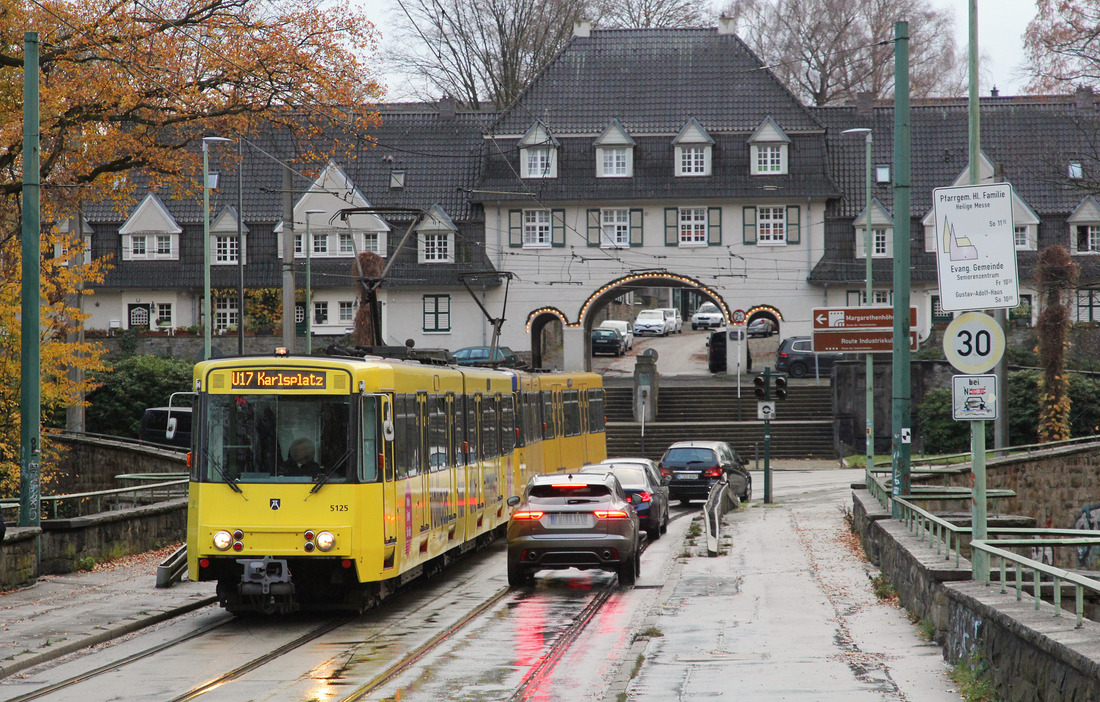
[(976, 248)]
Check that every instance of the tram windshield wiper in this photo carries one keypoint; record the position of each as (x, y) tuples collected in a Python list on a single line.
[(330, 472), (226, 478)]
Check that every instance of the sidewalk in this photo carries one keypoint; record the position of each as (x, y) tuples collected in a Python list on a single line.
[(786, 612), (60, 614)]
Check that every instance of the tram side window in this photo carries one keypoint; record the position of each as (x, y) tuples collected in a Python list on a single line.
[(437, 433), (547, 414), (368, 467), (490, 427), (407, 439), (473, 455), (507, 423), (572, 412), (596, 412), (531, 416), (454, 421)]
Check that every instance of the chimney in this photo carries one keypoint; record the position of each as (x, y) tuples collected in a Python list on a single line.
[(994, 92), (446, 108), (865, 104), (727, 25), (1084, 98), (582, 28)]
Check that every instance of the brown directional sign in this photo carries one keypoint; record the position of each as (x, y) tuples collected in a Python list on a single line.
[(858, 317), (859, 341)]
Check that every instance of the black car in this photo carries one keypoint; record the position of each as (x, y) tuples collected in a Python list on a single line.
[(797, 359), (608, 341), (636, 480), (695, 466)]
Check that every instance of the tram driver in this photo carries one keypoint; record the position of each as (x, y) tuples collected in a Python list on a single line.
[(301, 459)]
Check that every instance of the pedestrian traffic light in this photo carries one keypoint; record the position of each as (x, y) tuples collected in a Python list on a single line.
[(780, 388), (760, 387)]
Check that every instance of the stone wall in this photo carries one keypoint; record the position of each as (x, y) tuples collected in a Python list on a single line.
[(65, 542), (91, 463), (1052, 486), (19, 557)]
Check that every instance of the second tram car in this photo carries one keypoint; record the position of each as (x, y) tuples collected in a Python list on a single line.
[(324, 482)]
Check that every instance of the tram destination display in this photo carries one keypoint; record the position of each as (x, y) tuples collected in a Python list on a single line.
[(278, 379)]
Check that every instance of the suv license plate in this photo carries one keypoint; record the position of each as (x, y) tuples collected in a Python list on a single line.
[(567, 519), (687, 476)]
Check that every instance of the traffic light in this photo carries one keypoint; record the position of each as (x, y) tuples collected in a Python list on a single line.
[(760, 387), (780, 388)]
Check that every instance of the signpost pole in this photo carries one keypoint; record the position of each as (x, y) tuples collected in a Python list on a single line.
[(979, 559), (767, 439)]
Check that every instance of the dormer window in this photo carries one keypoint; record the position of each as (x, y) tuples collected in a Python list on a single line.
[(614, 152), (538, 153), (768, 148), (615, 162), (436, 237), (693, 147), (150, 233), (538, 162)]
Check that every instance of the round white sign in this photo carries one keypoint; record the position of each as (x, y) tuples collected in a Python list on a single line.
[(974, 343)]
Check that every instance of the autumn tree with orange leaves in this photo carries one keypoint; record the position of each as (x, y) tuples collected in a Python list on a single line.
[(131, 87)]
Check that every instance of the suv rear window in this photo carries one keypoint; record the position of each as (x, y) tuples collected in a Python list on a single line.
[(570, 490), (629, 476), (689, 455)]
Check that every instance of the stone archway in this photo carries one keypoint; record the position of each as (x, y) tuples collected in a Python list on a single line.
[(537, 323)]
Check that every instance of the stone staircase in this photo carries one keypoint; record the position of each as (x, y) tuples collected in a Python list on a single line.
[(804, 428)]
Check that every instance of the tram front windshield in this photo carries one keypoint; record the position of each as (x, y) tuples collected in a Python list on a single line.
[(277, 438)]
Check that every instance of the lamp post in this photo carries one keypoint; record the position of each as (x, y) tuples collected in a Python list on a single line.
[(309, 289), (206, 243), (869, 250)]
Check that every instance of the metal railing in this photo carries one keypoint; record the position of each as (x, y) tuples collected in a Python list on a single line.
[(946, 537), (79, 504), (1038, 570)]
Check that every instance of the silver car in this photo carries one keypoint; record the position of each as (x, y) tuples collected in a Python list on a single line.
[(573, 520)]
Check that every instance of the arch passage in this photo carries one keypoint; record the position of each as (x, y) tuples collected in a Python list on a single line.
[(537, 321), (613, 289)]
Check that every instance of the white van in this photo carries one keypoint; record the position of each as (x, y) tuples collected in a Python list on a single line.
[(675, 321)]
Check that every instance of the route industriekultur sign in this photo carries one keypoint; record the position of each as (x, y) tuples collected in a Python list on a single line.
[(975, 247)]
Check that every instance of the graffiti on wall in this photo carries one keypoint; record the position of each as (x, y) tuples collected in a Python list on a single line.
[(1088, 520)]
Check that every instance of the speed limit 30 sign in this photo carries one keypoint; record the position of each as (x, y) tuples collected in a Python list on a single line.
[(974, 343)]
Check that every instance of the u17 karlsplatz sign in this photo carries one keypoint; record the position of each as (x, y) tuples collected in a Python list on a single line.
[(975, 247)]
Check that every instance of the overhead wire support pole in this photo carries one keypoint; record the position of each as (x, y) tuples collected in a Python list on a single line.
[(371, 285), (901, 402), (30, 373), (496, 322)]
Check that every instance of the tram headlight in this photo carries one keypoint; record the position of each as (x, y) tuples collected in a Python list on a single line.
[(325, 541), (223, 540)]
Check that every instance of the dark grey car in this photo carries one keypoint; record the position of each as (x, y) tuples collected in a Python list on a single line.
[(573, 520), (797, 359), (695, 466)]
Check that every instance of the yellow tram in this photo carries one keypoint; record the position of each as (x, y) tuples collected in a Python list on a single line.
[(324, 482)]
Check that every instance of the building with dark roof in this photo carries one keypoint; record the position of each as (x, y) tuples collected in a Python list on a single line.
[(667, 161)]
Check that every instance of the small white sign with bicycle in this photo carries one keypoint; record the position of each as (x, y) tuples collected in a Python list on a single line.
[(973, 397)]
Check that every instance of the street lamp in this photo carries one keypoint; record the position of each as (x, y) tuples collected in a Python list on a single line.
[(206, 243), (309, 289), (868, 251)]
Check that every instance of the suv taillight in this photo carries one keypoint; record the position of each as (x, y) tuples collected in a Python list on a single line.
[(665, 472), (611, 514), (713, 473), (782, 354), (646, 497)]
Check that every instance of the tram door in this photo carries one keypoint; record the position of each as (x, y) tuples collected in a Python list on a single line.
[(551, 446), (422, 486), (390, 504), (583, 426)]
